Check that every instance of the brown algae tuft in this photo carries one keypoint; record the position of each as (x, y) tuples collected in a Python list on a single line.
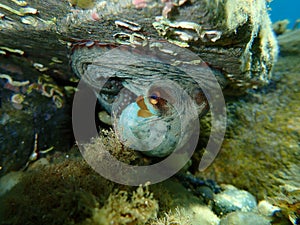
[(108, 140), (122, 207), (70, 189)]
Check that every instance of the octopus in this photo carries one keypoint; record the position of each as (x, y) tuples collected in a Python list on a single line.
[(155, 93)]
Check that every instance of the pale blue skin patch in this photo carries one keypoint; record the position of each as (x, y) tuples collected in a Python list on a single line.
[(152, 135)]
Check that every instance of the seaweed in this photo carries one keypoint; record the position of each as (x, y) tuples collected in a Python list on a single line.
[(126, 208), (261, 150), (61, 193)]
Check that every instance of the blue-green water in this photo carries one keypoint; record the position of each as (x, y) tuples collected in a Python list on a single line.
[(283, 9)]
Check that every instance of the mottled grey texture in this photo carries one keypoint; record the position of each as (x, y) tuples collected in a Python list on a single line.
[(245, 218), (233, 199)]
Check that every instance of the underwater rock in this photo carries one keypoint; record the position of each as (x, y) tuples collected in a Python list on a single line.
[(173, 196), (9, 180), (33, 116), (226, 34), (226, 37), (83, 4), (289, 43), (206, 192), (267, 209), (104, 117), (233, 199), (202, 215), (280, 27), (245, 218)]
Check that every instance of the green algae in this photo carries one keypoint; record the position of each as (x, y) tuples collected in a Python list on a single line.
[(68, 191), (62, 193), (261, 151), (83, 4)]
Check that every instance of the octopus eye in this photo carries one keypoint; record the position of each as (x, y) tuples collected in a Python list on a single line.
[(155, 95)]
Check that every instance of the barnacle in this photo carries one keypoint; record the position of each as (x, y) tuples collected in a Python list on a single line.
[(6, 49), (13, 82), (17, 98), (21, 12), (20, 2)]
